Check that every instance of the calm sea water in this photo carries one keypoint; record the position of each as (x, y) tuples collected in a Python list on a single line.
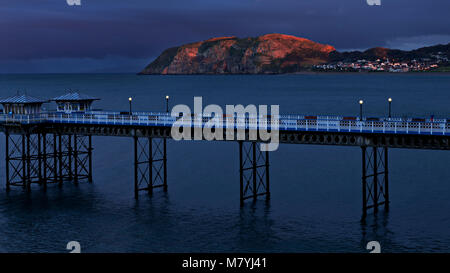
[(316, 190)]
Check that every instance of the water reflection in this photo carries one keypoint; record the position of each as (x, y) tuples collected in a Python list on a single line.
[(256, 227), (375, 227)]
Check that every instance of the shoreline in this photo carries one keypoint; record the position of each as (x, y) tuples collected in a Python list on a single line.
[(303, 73), (241, 74)]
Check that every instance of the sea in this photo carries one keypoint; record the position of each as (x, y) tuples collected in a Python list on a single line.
[(316, 196)]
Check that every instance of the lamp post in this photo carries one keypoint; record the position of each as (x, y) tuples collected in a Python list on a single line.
[(130, 99), (167, 104), (361, 102), (390, 107)]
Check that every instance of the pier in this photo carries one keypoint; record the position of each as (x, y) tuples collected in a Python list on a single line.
[(51, 147)]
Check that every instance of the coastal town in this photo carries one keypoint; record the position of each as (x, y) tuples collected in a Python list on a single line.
[(431, 63)]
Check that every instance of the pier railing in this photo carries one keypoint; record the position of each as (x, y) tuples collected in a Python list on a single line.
[(282, 122)]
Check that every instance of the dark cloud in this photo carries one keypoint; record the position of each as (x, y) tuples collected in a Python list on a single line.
[(141, 29)]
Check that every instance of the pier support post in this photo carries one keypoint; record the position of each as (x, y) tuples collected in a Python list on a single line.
[(44, 162), (375, 180), (66, 158), (82, 158), (23, 160), (90, 158), (28, 163), (150, 164), (7, 156), (46, 158), (60, 161), (253, 171)]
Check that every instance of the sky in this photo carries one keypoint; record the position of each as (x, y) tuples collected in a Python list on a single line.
[(115, 36)]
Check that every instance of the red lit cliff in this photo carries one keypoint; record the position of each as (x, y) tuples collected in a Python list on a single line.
[(268, 54)]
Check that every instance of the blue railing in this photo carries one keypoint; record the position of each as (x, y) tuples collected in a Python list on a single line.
[(281, 122)]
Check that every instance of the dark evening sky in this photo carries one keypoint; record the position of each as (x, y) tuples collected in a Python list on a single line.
[(125, 35)]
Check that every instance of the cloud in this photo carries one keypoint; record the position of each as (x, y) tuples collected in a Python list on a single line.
[(109, 64), (138, 29), (410, 43)]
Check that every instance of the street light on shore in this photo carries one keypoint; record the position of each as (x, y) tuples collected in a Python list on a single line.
[(390, 106), (361, 102), (167, 104), (130, 99)]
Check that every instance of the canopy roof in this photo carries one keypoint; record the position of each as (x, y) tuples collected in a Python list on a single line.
[(22, 99), (74, 97)]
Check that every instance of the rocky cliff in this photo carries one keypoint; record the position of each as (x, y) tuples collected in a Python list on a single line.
[(272, 53)]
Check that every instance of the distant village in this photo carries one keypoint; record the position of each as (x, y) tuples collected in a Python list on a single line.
[(433, 62)]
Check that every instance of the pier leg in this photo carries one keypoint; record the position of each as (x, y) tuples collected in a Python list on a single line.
[(69, 156), (75, 159), (254, 166), (267, 176), (17, 161), (55, 160), (386, 179), (8, 186), (51, 166), (39, 158), (241, 174), (44, 161), (150, 164), (66, 158), (28, 163), (136, 168), (164, 163), (253, 171), (24, 163), (60, 161), (82, 158), (34, 159), (375, 179), (375, 187), (364, 181), (90, 158)]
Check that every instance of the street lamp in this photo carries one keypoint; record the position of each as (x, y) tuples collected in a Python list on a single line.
[(361, 102), (390, 106), (167, 104), (130, 99)]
